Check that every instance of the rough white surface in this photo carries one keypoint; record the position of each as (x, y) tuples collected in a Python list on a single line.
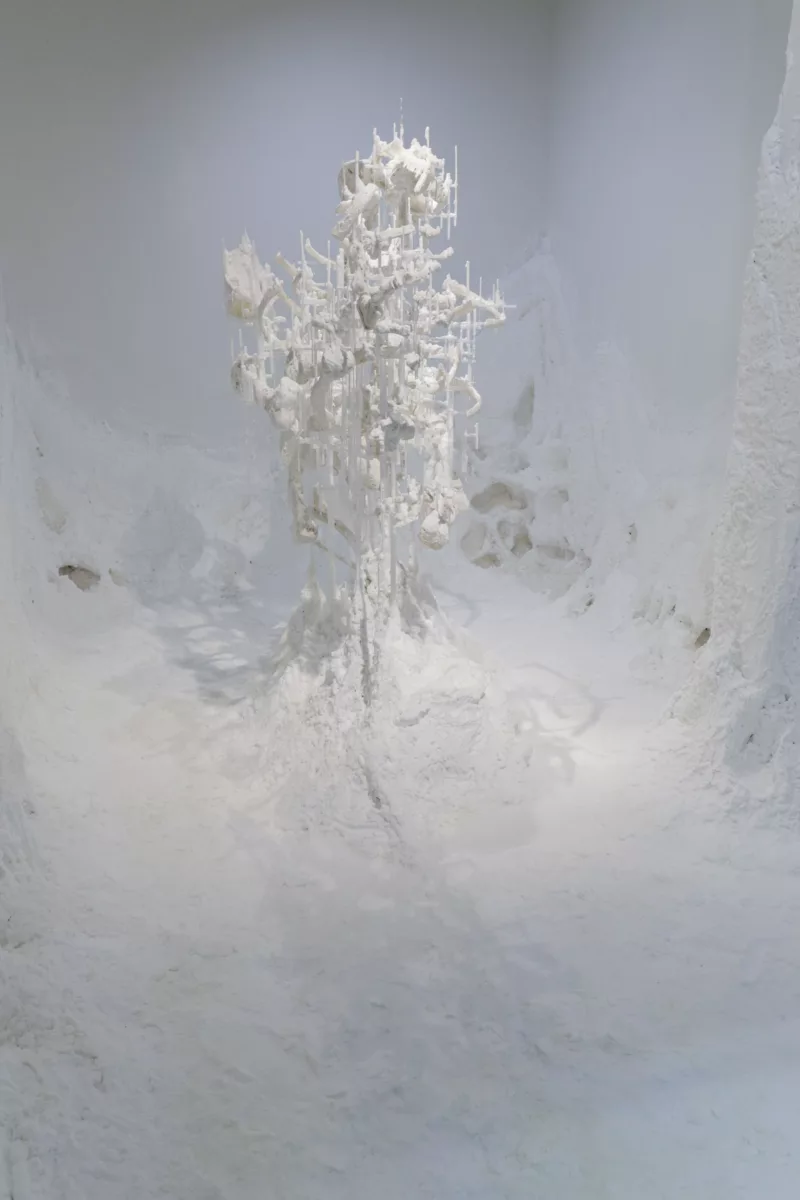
[(494, 939), (500, 944), (749, 678), (650, 185), (617, 510), (758, 531)]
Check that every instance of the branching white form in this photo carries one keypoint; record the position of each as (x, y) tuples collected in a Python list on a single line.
[(364, 364)]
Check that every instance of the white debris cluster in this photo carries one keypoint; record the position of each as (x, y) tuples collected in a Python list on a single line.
[(364, 364)]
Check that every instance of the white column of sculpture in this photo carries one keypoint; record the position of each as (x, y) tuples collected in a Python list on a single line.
[(364, 365)]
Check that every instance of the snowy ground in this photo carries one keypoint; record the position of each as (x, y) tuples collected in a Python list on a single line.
[(232, 971)]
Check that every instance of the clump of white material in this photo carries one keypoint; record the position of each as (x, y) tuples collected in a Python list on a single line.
[(407, 761), (364, 365), (750, 675)]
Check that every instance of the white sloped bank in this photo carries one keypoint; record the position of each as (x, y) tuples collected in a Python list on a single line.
[(581, 491), (463, 954), (747, 683)]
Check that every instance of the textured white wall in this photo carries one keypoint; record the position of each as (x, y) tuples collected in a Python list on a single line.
[(135, 138), (752, 668)]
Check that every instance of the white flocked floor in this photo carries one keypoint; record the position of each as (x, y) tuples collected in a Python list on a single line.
[(555, 964)]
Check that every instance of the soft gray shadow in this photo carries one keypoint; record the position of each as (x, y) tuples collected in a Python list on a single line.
[(220, 614), (230, 622)]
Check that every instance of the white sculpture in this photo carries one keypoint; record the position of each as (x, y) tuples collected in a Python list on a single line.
[(363, 365)]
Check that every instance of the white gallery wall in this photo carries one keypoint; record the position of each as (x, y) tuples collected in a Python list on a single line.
[(501, 901), (137, 138), (657, 112), (655, 119)]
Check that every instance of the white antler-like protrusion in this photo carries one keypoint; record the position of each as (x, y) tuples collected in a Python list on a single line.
[(360, 358)]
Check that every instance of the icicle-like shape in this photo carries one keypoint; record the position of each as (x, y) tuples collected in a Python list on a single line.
[(361, 359)]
